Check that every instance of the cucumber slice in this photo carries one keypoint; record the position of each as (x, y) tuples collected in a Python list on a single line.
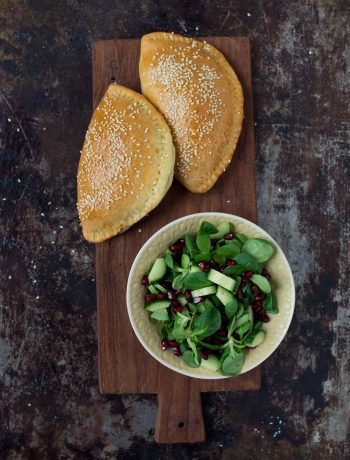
[(242, 320), (158, 270), (222, 280), (223, 228), (224, 295), (255, 338), (182, 299), (195, 269), (160, 315), (204, 291), (212, 363), (158, 305)]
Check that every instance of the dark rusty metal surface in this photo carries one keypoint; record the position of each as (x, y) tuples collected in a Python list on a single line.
[(50, 405)]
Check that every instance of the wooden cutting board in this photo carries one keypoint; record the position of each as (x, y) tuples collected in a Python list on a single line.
[(124, 366)]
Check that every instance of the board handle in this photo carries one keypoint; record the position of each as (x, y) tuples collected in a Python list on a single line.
[(180, 415)]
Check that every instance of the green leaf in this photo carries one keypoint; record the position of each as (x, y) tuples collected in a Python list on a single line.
[(193, 347), (183, 346), (169, 261), (257, 326), (178, 281), (234, 270), (207, 228), (189, 359), (231, 308), (262, 283), (270, 304), (160, 315), (241, 330), (185, 261), (241, 238), (206, 256), (231, 326), (196, 280), (203, 242), (207, 323), (260, 249), (190, 246), (232, 365), (229, 251), (247, 261)]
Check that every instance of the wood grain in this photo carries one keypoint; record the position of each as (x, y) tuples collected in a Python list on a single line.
[(124, 366)]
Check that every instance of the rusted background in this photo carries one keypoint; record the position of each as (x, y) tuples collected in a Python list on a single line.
[(50, 405)]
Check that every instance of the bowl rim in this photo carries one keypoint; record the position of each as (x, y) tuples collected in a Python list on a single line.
[(154, 237)]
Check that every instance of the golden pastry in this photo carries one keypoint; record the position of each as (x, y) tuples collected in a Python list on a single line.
[(194, 87), (126, 165)]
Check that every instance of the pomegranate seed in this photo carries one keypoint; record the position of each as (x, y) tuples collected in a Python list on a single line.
[(221, 333), (266, 274), (248, 275), (171, 294), (188, 295), (182, 242), (173, 343), (164, 344), (176, 351), (177, 309), (204, 353), (216, 342), (224, 318), (265, 318), (175, 247), (239, 294), (213, 264), (259, 298), (178, 292), (166, 284), (235, 335), (244, 281), (228, 236), (203, 266), (144, 280), (213, 242), (255, 289), (150, 298), (197, 299), (222, 268), (161, 296), (230, 262), (208, 340)]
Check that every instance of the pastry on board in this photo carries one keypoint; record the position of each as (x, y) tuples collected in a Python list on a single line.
[(191, 83), (126, 165)]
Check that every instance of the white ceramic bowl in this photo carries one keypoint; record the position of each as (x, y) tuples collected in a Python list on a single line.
[(147, 331)]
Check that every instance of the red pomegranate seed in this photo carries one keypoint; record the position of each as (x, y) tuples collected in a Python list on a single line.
[(203, 266), (197, 299), (173, 343), (176, 247), (171, 294), (230, 262), (176, 351), (161, 296), (188, 295), (248, 275), (224, 318), (178, 292), (239, 294), (204, 353), (228, 236), (266, 274), (144, 280), (259, 297), (222, 268), (244, 281), (164, 344), (221, 333), (213, 264), (265, 318), (255, 289), (213, 242), (235, 335), (182, 242), (150, 298)]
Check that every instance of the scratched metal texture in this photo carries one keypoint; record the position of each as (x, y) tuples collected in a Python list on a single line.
[(50, 406)]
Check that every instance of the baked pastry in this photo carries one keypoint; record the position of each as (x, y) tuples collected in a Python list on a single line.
[(194, 87), (126, 165)]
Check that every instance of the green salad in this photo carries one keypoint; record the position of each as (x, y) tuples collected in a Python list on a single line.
[(211, 294)]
